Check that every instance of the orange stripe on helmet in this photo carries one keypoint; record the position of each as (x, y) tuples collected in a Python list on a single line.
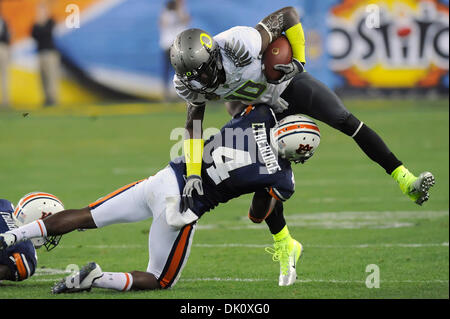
[(297, 126), (177, 257), (103, 199), (20, 266)]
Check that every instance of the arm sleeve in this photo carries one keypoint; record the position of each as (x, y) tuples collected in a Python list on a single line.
[(186, 94)]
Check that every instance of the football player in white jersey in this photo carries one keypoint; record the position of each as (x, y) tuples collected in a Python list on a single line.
[(228, 67)]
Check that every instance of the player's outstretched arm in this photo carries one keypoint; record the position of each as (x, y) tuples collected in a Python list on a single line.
[(284, 20), (193, 152), (261, 207)]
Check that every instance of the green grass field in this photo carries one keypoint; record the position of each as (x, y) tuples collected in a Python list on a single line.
[(346, 211)]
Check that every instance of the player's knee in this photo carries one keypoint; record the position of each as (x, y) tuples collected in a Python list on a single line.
[(254, 219), (144, 281), (349, 125)]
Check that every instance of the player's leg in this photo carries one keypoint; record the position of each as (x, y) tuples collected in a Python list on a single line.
[(286, 249), (91, 275), (168, 247), (131, 203), (118, 207), (169, 250), (138, 202), (57, 224), (308, 96)]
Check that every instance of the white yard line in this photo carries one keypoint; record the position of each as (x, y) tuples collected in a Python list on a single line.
[(340, 220), (306, 280), (238, 245)]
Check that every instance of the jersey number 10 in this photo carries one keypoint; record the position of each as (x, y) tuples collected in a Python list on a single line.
[(249, 91)]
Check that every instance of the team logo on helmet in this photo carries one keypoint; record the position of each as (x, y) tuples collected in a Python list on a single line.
[(206, 40)]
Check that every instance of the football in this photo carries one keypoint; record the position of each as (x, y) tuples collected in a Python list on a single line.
[(278, 52)]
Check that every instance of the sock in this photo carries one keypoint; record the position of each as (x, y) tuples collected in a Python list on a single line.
[(281, 235), (114, 280), (31, 230), (275, 221), (403, 177)]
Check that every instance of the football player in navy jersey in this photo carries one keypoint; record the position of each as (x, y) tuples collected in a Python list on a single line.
[(251, 154), (17, 262)]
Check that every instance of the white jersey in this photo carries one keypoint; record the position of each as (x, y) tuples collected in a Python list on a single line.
[(245, 81)]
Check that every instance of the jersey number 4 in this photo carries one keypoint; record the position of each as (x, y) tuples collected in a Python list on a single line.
[(225, 160)]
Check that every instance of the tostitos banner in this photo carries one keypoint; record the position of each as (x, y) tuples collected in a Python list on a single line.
[(114, 49), (389, 44)]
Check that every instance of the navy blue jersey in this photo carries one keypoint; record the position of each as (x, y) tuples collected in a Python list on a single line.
[(20, 258), (239, 160)]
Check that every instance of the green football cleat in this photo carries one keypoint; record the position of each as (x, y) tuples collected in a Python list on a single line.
[(416, 188), (287, 252)]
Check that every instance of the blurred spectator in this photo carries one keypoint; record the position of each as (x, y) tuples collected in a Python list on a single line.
[(4, 62), (173, 19), (49, 58)]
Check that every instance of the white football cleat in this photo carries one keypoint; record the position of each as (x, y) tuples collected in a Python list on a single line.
[(81, 281)]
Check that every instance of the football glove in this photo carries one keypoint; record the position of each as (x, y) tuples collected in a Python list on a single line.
[(193, 183), (289, 70)]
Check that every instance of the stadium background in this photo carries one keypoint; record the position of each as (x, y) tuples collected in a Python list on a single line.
[(112, 126)]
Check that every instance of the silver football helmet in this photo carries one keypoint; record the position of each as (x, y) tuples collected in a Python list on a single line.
[(196, 58)]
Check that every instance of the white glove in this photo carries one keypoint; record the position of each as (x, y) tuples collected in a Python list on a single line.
[(174, 217), (193, 183)]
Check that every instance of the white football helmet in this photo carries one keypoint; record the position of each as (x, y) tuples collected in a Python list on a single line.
[(295, 138), (34, 206)]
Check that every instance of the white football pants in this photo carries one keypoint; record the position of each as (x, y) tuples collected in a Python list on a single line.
[(169, 247)]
